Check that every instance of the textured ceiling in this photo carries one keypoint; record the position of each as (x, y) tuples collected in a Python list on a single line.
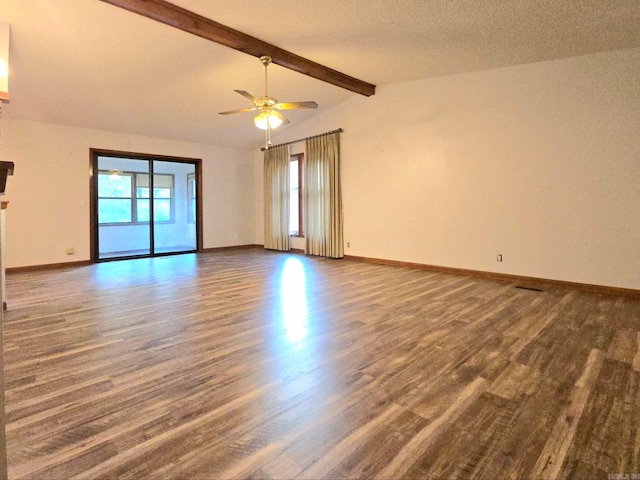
[(90, 64)]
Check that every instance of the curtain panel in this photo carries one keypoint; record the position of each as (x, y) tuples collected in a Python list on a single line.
[(323, 197), (276, 198)]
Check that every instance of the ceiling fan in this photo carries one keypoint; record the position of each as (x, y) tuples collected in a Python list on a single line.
[(269, 116)]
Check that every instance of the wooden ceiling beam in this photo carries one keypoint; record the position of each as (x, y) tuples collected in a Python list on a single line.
[(187, 21)]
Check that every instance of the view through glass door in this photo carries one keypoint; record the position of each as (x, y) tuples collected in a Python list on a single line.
[(144, 206)]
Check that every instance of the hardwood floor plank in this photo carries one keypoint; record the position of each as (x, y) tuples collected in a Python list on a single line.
[(553, 455), (347, 446), (514, 380), (418, 444), (281, 467), (607, 435), (624, 346), (636, 358), (374, 452)]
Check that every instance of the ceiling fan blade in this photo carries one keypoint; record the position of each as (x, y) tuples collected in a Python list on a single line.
[(296, 105), (239, 110), (285, 120), (246, 95)]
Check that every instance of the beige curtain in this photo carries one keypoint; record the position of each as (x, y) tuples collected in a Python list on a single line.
[(323, 197), (276, 198)]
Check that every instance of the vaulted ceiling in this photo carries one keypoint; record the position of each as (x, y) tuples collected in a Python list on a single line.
[(90, 64)]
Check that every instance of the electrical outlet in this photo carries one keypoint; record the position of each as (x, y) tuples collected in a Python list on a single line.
[(499, 259), (348, 244), (70, 251)]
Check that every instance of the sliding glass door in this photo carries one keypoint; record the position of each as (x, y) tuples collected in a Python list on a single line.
[(143, 206), (123, 218), (174, 207)]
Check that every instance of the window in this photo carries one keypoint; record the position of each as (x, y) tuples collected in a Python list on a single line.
[(114, 197), (191, 199), (295, 192), (162, 198), (117, 204)]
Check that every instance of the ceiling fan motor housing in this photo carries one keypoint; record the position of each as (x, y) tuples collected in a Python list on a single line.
[(263, 102)]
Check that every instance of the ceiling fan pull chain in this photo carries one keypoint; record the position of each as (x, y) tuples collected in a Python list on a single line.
[(268, 134)]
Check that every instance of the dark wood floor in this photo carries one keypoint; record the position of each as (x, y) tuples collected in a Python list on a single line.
[(265, 365)]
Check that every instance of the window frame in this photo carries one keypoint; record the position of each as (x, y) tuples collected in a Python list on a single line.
[(134, 199), (132, 190), (299, 157), (192, 194)]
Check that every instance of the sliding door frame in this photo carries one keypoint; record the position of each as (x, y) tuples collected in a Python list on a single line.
[(94, 153)]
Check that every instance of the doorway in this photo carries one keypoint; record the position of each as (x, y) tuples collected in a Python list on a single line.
[(144, 205)]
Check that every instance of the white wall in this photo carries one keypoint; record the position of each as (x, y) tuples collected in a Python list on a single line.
[(538, 162), (49, 192)]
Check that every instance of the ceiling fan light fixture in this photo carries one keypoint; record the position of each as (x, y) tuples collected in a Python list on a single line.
[(268, 118)]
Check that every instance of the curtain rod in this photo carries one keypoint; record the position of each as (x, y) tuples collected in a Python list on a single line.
[(339, 130)]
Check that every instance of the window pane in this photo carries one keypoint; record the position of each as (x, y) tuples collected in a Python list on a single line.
[(143, 192), (163, 181), (114, 185), (142, 211), (293, 172), (191, 192), (162, 192), (159, 180), (114, 210), (162, 210), (142, 180), (192, 211), (294, 215)]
